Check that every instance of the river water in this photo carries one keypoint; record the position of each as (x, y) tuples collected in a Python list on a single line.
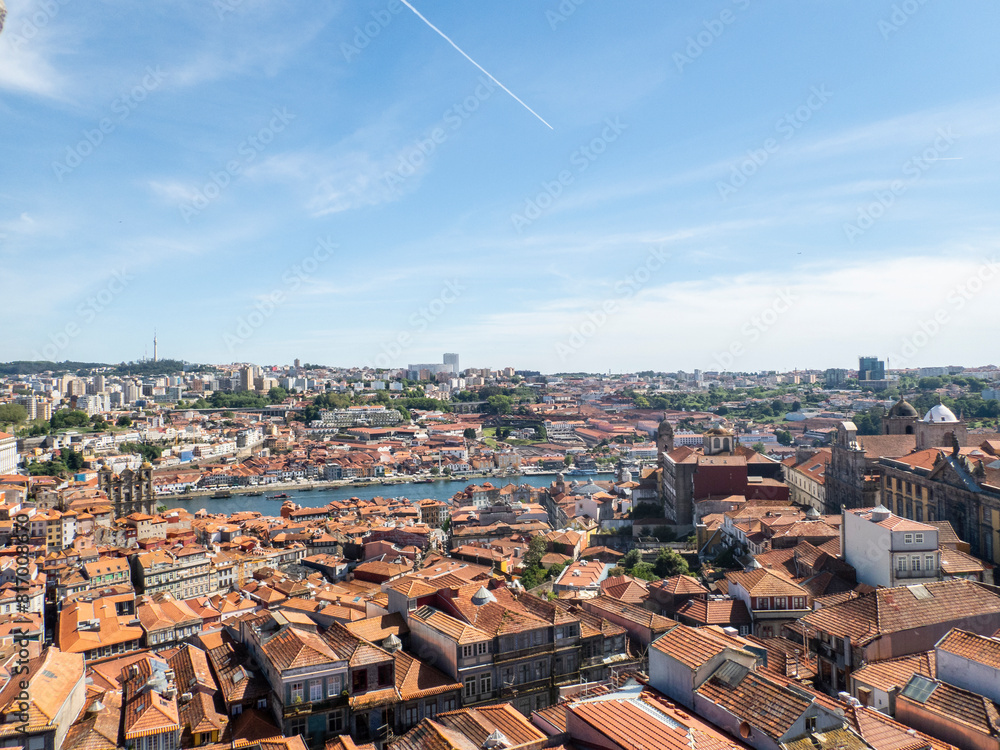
[(439, 489)]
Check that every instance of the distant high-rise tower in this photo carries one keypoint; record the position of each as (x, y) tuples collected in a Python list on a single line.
[(154, 344), (452, 359), (871, 368)]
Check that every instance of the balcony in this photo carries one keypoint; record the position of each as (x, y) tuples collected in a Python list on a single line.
[(523, 653), (311, 707)]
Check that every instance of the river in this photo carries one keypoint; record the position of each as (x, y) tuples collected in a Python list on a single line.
[(439, 489)]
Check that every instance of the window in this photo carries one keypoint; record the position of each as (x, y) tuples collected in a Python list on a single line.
[(810, 723), (449, 704), (297, 726), (763, 603), (470, 686), (262, 703), (237, 709), (781, 602), (799, 602), (336, 722), (918, 538), (901, 564), (559, 634), (483, 647), (333, 686), (385, 674), (929, 562), (467, 651), (485, 683), (431, 709), (907, 538), (916, 563), (316, 690), (297, 692), (359, 681), (412, 716)]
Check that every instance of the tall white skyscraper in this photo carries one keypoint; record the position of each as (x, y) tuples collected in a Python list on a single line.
[(452, 359)]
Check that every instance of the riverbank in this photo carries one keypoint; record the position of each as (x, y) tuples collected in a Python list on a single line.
[(294, 488)]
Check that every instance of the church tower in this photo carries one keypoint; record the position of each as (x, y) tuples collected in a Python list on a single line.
[(901, 419), (664, 438)]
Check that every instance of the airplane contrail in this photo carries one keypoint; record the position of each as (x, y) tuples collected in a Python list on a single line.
[(445, 37)]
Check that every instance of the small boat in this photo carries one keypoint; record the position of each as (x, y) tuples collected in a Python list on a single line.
[(255, 493), (282, 496), (221, 495)]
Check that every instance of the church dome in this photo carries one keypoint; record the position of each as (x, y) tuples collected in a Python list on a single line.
[(719, 431), (940, 413), (903, 408), (665, 428)]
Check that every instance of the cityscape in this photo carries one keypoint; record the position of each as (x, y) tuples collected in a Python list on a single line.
[(308, 555), (396, 375)]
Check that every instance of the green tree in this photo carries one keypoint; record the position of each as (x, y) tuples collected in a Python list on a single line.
[(722, 411), (645, 571), (784, 437), (631, 559), (669, 563), (66, 418), (499, 405), (796, 405), (568, 459), (277, 394), (12, 414), (124, 421), (536, 550), (72, 459), (759, 447), (777, 407), (469, 433)]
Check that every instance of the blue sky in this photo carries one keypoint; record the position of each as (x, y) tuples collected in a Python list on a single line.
[(730, 184)]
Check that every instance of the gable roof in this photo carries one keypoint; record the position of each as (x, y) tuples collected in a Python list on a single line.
[(867, 617)]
